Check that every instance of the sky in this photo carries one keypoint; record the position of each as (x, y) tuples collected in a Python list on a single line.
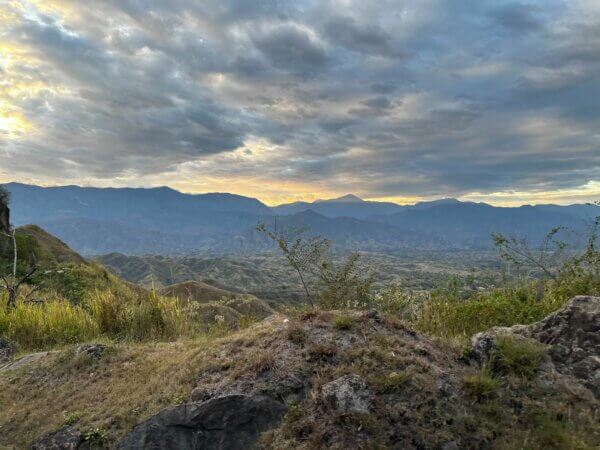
[(281, 100)]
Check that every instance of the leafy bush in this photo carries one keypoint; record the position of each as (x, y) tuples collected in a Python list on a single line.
[(344, 287)]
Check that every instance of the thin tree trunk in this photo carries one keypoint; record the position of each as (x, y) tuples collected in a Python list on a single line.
[(14, 238), (308, 296)]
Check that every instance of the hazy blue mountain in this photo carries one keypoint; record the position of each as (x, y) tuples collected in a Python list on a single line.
[(164, 221), (471, 224), (347, 206), (161, 209), (344, 232)]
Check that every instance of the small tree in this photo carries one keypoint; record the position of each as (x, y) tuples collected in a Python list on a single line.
[(303, 254), (549, 257), (553, 257), (11, 283), (345, 286)]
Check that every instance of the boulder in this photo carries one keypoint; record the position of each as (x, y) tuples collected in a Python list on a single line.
[(572, 334), (65, 438), (231, 422), (347, 394)]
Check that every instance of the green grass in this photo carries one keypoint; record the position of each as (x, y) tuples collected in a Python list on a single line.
[(449, 316), (122, 315), (481, 385), (343, 322), (50, 324), (517, 356)]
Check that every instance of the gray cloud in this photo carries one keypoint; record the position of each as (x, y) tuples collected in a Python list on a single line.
[(382, 98), (518, 17)]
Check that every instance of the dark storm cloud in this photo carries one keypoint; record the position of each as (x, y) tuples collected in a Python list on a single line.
[(395, 97)]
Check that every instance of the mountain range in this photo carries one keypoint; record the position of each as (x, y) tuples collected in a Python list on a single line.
[(165, 221)]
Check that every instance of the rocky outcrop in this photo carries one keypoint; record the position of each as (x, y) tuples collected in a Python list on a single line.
[(347, 394), (572, 335), (231, 422), (66, 438)]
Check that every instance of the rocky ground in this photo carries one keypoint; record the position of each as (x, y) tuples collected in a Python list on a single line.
[(339, 380)]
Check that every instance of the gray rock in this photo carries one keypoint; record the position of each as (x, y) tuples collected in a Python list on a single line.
[(347, 394), (572, 334), (200, 394), (7, 349), (231, 422), (66, 438), (26, 360), (95, 350)]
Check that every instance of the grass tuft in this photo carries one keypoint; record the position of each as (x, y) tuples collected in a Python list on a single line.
[(392, 382), (343, 322), (516, 356), (481, 386)]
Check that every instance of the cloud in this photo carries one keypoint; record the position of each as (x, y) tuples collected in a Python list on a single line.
[(387, 98), (292, 48), (518, 17)]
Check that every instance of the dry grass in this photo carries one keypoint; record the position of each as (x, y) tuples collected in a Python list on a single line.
[(127, 384), (112, 393)]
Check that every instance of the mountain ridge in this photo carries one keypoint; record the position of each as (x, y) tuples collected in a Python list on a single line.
[(165, 221)]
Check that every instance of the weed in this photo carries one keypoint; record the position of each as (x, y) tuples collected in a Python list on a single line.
[(72, 418), (96, 435)]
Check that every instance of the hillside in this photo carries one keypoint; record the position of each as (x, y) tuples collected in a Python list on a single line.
[(317, 380), (48, 247), (196, 291), (163, 221)]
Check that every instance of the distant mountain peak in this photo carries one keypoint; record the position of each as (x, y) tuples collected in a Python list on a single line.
[(348, 198)]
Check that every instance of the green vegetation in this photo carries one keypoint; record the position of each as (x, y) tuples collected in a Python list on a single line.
[(518, 356), (481, 385), (343, 322)]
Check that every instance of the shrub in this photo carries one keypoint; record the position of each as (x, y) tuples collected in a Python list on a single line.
[(344, 287), (517, 356), (398, 301)]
